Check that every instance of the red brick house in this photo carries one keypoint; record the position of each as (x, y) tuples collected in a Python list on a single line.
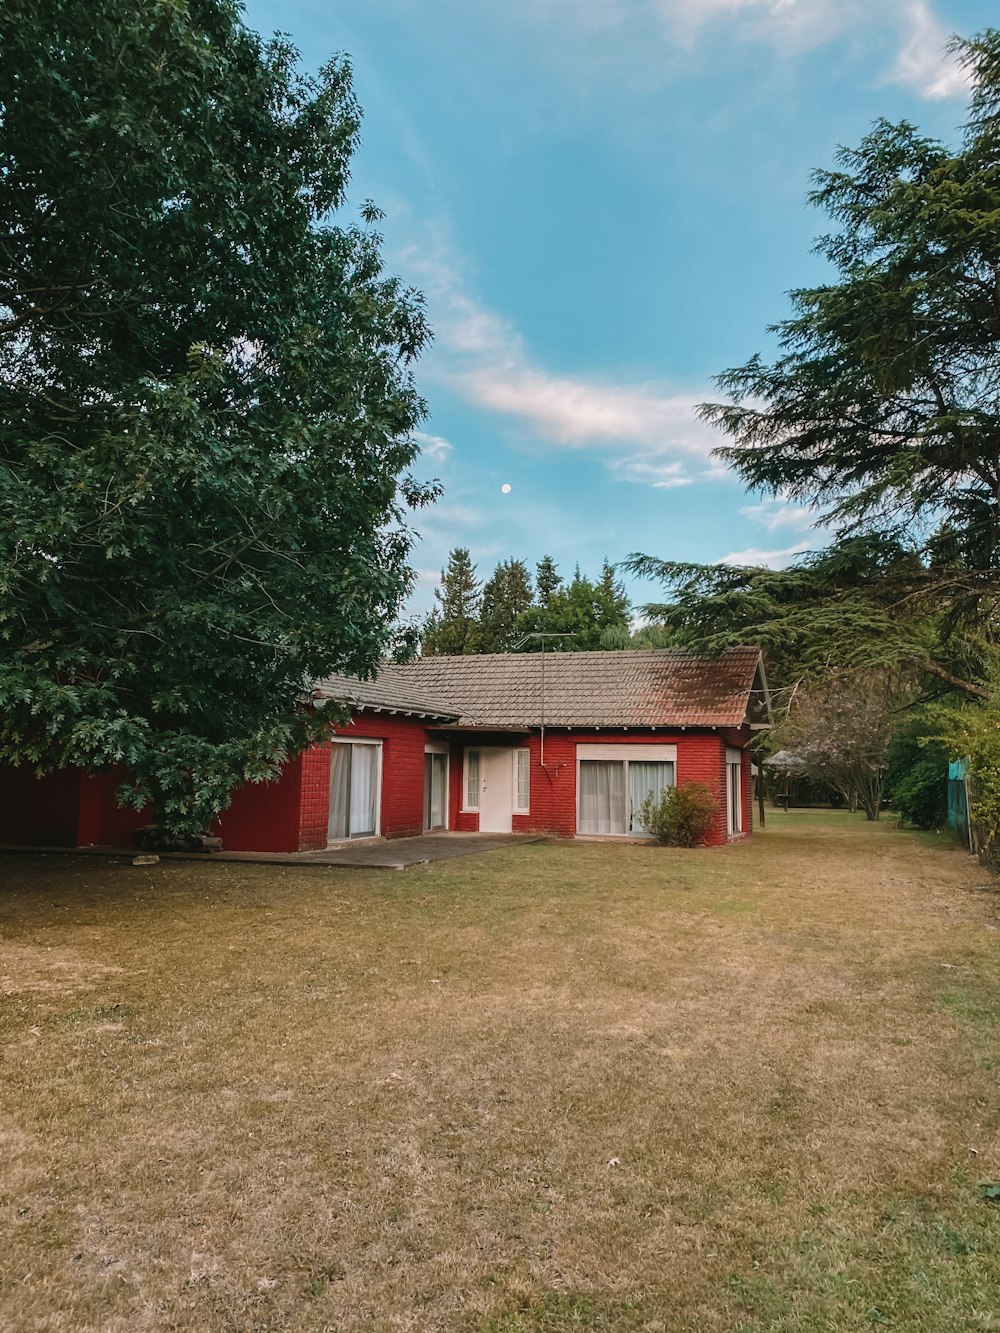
[(566, 743)]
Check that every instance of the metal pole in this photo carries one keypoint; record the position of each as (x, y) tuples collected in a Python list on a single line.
[(542, 758)]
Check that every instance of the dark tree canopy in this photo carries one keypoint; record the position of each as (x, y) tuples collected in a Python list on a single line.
[(452, 625), (507, 594), (505, 614), (592, 614), (867, 602), (547, 579), (884, 405), (206, 405)]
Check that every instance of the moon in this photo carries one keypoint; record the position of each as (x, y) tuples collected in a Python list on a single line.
[(505, 488)]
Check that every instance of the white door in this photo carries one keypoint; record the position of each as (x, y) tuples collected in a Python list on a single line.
[(496, 794)]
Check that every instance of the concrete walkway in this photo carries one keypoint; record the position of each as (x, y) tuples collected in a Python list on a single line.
[(382, 853), (374, 853)]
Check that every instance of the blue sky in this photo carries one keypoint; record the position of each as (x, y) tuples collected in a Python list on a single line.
[(604, 202)]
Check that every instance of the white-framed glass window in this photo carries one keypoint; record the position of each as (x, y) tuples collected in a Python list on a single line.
[(522, 782), (613, 781), (734, 791), (355, 786), (470, 781), (435, 786)]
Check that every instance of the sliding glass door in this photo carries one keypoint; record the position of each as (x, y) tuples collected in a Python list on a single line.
[(646, 779), (612, 790), (354, 789), (435, 790)]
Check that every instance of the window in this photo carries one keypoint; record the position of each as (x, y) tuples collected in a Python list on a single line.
[(613, 781), (522, 781), (471, 786), (355, 772), (435, 787), (734, 791)]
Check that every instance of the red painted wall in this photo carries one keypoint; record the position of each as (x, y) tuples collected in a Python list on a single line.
[(39, 812), (292, 815), (70, 809), (403, 740), (701, 757)]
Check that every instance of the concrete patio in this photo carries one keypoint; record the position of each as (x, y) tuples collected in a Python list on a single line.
[(373, 853)]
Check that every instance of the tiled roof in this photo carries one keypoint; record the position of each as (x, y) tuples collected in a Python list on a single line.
[(387, 694), (623, 688)]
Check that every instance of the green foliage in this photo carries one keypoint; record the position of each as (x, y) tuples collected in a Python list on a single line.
[(867, 602), (883, 404), (547, 579), (594, 615), (452, 625), (974, 733), (917, 774), (838, 728), (682, 816), (507, 594), (206, 405), (588, 614)]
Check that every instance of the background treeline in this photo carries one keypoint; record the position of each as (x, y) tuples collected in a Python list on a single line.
[(496, 615)]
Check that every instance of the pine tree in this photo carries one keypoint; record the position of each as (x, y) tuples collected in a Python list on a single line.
[(506, 597), (590, 614), (452, 624), (547, 580)]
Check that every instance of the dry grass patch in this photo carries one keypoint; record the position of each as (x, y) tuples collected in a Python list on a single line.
[(553, 1087)]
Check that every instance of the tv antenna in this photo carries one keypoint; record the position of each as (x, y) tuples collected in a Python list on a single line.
[(543, 635)]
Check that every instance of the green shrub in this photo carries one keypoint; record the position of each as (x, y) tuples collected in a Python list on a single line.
[(917, 776), (682, 817), (920, 796)]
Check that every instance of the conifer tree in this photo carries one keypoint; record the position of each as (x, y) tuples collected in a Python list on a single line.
[(452, 625), (507, 594), (547, 579)]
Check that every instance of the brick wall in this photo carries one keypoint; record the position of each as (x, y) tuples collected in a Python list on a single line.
[(264, 816), (403, 740), (701, 757)]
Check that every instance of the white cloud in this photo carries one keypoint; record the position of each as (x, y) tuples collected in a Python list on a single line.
[(434, 447), (661, 476), (770, 559), (774, 513), (922, 63), (603, 34), (645, 432)]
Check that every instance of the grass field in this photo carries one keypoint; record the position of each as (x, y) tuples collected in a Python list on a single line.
[(557, 1087)]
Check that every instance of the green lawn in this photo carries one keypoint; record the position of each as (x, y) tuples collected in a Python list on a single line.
[(561, 1086)]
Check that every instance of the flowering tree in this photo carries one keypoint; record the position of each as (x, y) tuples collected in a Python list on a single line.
[(839, 728)]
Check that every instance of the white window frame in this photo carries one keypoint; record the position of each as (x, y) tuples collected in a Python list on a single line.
[(516, 807), (653, 754), (734, 792), (432, 747), (465, 807), (360, 837)]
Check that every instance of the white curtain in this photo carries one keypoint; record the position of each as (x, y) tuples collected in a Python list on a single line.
[(646, 779), (472, 779), (364, 774), (435, 782), (340, 786), (602, 796), (353, 791)]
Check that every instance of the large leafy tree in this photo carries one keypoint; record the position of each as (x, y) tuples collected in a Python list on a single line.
[(883, 406), (206, 404)]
